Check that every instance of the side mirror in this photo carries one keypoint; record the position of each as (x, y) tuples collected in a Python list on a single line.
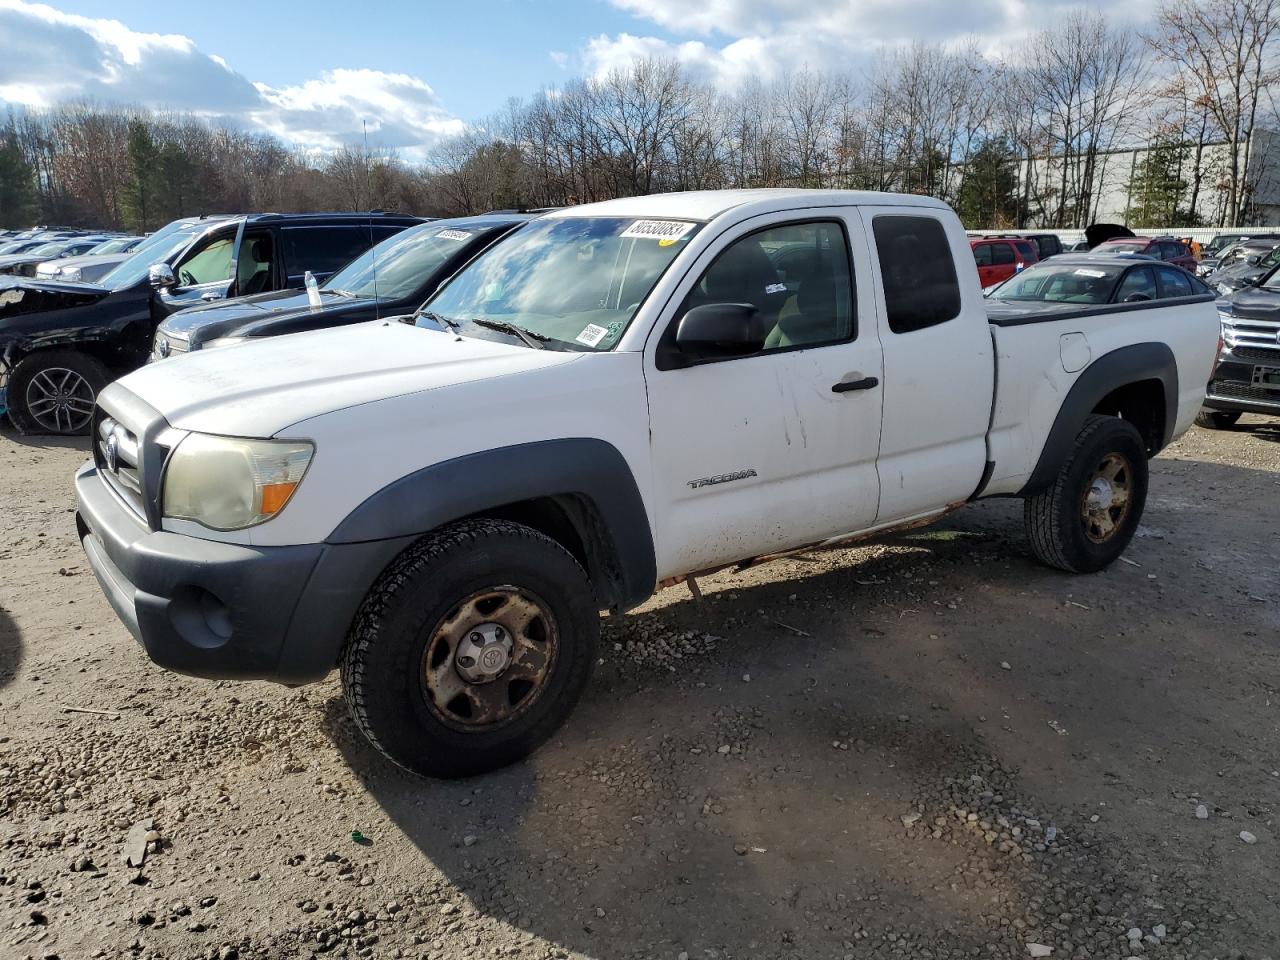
[(1137, 298), (161, 276), (728, 328)]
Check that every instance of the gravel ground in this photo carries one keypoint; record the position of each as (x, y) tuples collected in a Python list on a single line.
[(929, 747)]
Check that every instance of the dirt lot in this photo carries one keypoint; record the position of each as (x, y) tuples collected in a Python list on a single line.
[(926, 748)]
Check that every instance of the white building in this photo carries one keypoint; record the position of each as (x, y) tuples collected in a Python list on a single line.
[(1042, 180)]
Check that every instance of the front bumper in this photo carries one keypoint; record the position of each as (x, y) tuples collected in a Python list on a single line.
[(1232, 386), (220, 610)]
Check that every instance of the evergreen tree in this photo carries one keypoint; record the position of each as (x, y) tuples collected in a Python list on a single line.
[(988, 197), (1157, 188), (143, 179), (17, 185)]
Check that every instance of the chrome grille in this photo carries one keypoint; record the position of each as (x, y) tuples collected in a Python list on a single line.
[(166, 345), (116, 454), (1253, 335)]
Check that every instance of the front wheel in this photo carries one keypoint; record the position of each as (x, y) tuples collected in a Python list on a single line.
[(53, 391), (1217, 419), (471, 649), (1086, 518)]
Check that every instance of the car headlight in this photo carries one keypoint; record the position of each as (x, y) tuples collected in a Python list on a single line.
[(226, 483), (70, 274)]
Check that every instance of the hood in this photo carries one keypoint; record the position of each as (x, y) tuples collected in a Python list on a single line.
[(257, 389), (1097, 233), (1253, 303), (204, 323), (21, 296), (91, 260)]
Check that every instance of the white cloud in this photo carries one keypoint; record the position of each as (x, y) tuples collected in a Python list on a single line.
[(742, 39), (47, 56)]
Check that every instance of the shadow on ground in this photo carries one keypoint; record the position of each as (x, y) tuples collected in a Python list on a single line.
[(687, 807), (10, 648)]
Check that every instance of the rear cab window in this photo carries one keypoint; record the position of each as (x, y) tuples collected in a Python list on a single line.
[(917, 271)]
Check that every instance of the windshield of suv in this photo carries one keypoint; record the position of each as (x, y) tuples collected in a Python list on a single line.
[(48, 249), (402, 263), (117, 245), (1062, 283), (162, 245), (572, 282)]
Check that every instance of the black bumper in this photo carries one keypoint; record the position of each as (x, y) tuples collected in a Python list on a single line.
[(1232, 386), (220, 610)]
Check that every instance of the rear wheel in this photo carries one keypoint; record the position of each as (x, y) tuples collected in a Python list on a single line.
[(53, 391), (1217, 419), (1086, 518), (471, 649)]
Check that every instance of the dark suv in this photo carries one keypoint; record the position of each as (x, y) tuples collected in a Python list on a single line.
[(60, 343), (394, 277)]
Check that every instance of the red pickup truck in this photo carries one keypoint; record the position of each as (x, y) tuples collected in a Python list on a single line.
[(999, 258)]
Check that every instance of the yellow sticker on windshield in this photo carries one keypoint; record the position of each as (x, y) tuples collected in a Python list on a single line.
[(665, 243)]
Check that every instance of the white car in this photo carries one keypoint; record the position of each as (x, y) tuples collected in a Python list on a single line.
[(618, 397)]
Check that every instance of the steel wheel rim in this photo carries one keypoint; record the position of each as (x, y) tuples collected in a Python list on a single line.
[(500, 617), (60, 400), (1107, 498)]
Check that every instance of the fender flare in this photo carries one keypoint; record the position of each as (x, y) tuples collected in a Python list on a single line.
[(1125, 365), (614, 527)]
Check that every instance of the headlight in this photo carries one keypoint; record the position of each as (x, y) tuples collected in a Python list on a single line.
[(70, 274), (225, 483)]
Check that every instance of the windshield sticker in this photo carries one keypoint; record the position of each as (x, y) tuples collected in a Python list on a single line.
[(776, 288), (591, 334), (657, 230), (1099, 274), (453, 235)]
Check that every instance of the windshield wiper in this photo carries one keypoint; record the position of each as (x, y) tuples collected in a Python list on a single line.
[(447, 322), (531, 339), (341, 293)]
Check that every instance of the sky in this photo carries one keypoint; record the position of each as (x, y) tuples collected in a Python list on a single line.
[(416, 71)]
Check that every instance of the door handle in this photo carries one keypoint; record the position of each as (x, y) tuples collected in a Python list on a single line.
[(866, 383)]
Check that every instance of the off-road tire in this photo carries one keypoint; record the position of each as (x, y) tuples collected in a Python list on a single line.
[(1217, 419), (1053, 517), (88, 368), (382, 661)]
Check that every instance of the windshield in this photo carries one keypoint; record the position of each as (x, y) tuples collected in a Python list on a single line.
[(399, 265), (165, 243), (1062, 283), (48, 249), (574, 282), (117, 245)]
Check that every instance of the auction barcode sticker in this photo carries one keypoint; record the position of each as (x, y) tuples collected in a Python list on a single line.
[(453, 235), (658, 229)]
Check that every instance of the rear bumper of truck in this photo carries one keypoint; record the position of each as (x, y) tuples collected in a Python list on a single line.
[(225, 611)]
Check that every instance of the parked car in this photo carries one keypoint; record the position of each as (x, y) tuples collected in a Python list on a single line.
[(1168, 249), (1000, 258), (94, 265), (20, 245), (1256, 259), (394, 277), (619, 396), (1092, 279), (1246, 377), (1047, 244), (1076, 246), (1219, 243), (99, 259), (24, 264), (60, 343)]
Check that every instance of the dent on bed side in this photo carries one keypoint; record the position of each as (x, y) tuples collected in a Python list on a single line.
[(587, 479)]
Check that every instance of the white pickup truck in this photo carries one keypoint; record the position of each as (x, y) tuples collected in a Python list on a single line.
[(615, 398)]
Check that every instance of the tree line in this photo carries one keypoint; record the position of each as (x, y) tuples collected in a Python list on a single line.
[(1007, 143)]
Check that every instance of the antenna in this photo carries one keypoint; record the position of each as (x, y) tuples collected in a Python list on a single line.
[(368, 180)]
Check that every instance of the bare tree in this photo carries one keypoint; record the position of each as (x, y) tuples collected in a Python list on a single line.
[(1225, 50)]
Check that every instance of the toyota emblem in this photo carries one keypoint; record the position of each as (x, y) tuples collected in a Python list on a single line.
[(112, 452)]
